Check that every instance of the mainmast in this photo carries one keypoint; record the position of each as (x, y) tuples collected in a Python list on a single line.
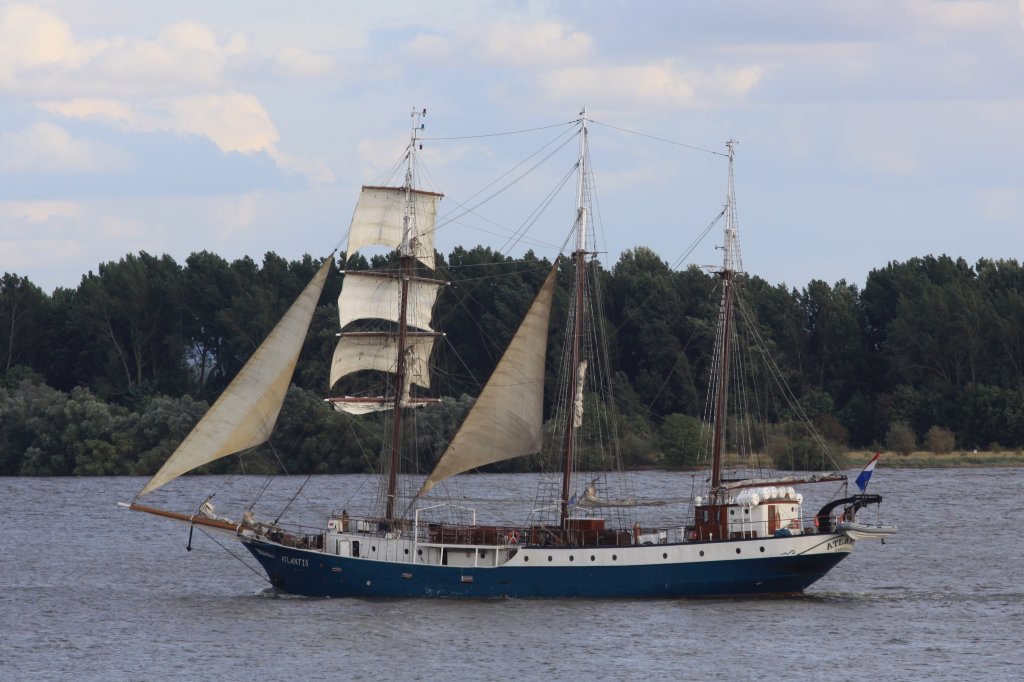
[(405, 272), (575, 374), (728, 275)]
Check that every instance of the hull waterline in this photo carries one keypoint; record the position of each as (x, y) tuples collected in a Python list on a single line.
[(314, 573)]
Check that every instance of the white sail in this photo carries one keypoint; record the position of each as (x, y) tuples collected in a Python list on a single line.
[(245, 413), (379, 219), (577, 416), (358, 408), (379, 351), (381, 404), (506, 420), (367, 295)]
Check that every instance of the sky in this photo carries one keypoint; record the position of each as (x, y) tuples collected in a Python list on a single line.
[(867, 132)]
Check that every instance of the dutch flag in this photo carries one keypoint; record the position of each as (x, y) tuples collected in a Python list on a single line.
[(865, 476)]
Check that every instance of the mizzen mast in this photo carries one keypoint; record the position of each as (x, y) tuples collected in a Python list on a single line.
[(728, 275)]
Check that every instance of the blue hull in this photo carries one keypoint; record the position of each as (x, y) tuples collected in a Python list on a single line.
[(321, 575)]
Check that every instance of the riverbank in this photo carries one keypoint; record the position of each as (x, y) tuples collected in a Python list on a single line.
[(946, 460)]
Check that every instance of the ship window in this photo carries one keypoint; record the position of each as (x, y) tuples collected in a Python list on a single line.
[(549, 557), (615, 557), (746, 511), (526, 558), (593, 558), (572, 558), (738, 550), (372, 548), (419, 552), (762, 549), (664, 555), (702, 552), (732, 512), (406, 550)]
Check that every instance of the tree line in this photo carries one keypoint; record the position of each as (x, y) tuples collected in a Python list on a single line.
[(108, 377)]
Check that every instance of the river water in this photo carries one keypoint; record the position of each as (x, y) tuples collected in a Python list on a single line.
[(93, 592)]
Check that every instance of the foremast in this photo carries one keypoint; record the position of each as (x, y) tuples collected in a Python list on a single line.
[(405, 270), (576, 372), (402, 218)]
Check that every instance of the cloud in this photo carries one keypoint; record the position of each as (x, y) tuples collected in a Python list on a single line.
[(39, 211), (31, 38), (176, 82), (47, 147), (235, 121), (294, 62), (99, 108), (661, 82), (537, 43), (1000, 204)]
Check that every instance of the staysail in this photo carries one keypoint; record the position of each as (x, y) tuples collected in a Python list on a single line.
[(507, 418), (245, 413)]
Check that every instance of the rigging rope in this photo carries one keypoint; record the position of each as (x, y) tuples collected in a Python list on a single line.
[(237, 558), (659, 139), (511, 132)]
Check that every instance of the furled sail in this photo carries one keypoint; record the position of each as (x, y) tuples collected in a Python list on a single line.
[(379, 351), (245, 413), (379, 219), (374, 295), (577, 412), (507, 418)]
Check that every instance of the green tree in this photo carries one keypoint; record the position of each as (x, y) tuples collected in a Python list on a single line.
[(680, 439)]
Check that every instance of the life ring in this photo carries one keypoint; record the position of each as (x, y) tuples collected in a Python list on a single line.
[(512, 536)]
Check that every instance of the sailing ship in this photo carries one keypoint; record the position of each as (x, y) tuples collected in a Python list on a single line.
[(745, 534)]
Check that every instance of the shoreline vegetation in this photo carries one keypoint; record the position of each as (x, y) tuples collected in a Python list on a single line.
[(107, 378), (956, 459)]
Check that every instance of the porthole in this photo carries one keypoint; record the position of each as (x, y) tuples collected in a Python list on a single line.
[(737, 550), (747, 512), (406, 550), (593, 558), (664, 555), (526, 558), (372, 548), (549, 557), (572, 558), (419, 552), (732, 512), (702, 552), (762, 550), (615, 557)]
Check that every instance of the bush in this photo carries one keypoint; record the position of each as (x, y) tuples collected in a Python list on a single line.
[(900, 438), (792, 448), (939, 440), (680, 439)]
